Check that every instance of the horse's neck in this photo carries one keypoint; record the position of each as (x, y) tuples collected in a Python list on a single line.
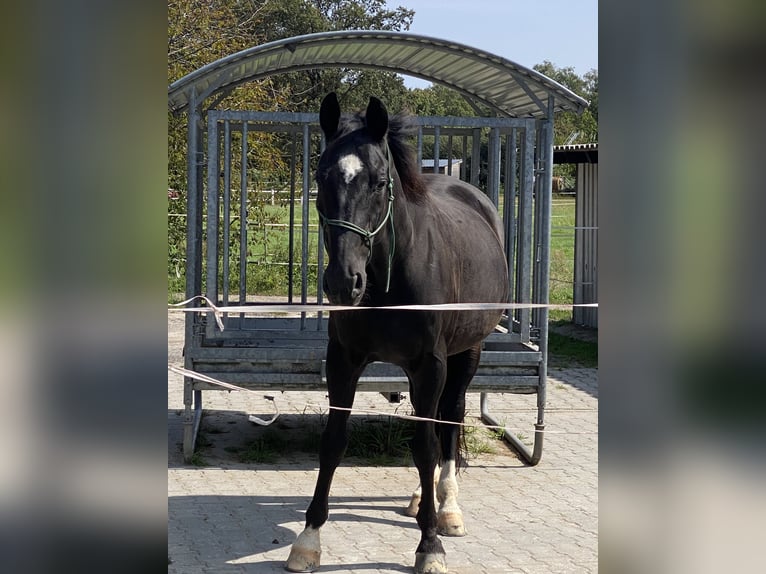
[(403, 218), (403, 237)]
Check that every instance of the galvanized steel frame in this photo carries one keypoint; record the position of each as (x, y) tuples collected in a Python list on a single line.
[(504, 87), (527, 241), (510, 91)]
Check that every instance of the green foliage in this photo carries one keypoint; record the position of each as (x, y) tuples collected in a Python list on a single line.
[(202, 32), (437, 100), (567, 124), (305, 89)]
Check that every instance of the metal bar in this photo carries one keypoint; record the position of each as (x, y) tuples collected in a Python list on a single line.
[(493, 165), (226, 208), (530, 457), (463, 156), (420, 148), (523, 265), (243, 224), (277, 117), (194, 158), (212, 213), (545, 266), (437, 144), (509, 205), (470, 122), (305, 221), (193, 219), (523, 84), (476, 157), (537, 229), (449, 154), (313, 118), (291, 235), (546, 199)]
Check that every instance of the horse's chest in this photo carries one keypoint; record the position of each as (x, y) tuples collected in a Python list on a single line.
[(387, 335)]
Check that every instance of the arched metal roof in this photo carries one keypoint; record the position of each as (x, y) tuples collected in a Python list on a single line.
[(507, 88)]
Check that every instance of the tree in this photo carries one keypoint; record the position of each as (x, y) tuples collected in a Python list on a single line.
[(437, 100), (200, 32), (305, 89), (569, 127), (203, 31), (581, 128)]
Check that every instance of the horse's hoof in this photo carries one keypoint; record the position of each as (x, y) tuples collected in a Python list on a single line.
[(305, 552), (302, 560), (430, 563), (412, 509), (450, 524)]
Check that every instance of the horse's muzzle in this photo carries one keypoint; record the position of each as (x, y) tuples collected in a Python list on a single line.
[(342, 287)]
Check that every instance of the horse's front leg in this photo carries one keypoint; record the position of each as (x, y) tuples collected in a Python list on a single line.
[(412, 507), (342, 376), (427, 384)]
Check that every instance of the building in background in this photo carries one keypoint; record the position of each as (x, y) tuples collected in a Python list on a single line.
[(585, 157)]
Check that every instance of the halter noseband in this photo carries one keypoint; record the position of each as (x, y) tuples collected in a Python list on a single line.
[(368, 235)]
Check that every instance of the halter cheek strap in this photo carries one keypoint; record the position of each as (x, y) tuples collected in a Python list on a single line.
[(368, 235)]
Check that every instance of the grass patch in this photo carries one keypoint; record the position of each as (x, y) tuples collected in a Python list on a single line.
[(381, 441), (386, 441), (563, 351), (198, 459), (478, 440), (265, 449), (562, 257)]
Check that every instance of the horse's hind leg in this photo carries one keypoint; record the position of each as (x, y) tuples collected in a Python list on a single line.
[(460, 370), (427, 383), (342, 376)]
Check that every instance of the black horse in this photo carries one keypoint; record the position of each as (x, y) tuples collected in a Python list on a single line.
[(397, 237)]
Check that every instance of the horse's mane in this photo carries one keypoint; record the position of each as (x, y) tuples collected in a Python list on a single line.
[(401, 128)]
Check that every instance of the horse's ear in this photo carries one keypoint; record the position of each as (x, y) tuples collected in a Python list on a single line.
[(377, 119), (329, 115)]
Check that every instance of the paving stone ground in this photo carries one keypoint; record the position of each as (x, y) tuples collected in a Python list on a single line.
[(234, 517)]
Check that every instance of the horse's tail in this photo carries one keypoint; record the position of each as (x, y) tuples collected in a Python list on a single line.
[(461, 450)]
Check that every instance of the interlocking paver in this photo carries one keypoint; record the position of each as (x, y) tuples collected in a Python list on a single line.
[(237, 518)]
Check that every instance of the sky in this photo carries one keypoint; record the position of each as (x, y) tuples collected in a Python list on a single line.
[(527, 32)]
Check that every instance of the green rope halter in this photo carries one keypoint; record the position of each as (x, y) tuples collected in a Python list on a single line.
[(368, 235)]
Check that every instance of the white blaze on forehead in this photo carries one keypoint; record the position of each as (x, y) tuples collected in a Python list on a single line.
[(350, 165)]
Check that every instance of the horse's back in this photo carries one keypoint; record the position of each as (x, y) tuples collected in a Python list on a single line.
[(465, 234), (461, 202)]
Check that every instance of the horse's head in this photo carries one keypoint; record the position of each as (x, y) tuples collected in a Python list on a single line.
[(355, 195)]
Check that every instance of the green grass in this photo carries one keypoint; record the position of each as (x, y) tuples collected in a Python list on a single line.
[(198, 459), (477, 441), (562, 257), (265, 449), (383, 441), (374, 441), (567, 351)]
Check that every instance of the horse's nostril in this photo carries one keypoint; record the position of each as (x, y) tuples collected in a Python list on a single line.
[(356, 292)]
